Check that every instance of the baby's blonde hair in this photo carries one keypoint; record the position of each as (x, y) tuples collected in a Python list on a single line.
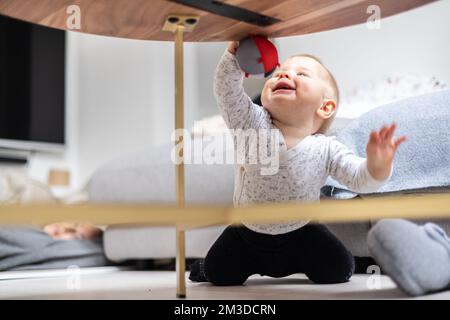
[(334, 87)]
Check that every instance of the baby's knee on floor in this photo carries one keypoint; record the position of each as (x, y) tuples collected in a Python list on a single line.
[(333, 272), (330, 278), (221, 275), (224, 280)]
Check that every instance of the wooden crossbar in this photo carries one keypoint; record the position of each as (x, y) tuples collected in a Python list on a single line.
[(434, 206)]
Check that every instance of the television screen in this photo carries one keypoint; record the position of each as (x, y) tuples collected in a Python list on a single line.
[(32, 85)]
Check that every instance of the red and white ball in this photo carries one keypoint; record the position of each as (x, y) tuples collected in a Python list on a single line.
[(257, 56)]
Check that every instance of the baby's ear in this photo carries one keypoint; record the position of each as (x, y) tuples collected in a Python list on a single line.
[(327, 109)]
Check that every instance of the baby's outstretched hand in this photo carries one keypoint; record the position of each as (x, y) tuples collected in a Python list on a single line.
[(380, 150), (232, 47)]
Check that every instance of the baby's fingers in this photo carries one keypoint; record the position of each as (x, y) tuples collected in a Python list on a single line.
[(398, 141), (383, 131), (374, 137), (390, 132), (232, 46)]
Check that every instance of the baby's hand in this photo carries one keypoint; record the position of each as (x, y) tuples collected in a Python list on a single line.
[(380, 150), (232, 47)]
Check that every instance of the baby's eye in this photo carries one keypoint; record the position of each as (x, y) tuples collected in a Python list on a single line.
[(302, 74)]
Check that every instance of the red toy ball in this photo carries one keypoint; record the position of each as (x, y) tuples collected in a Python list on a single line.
[(257, 56)]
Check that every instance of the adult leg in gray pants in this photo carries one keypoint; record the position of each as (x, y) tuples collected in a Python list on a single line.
[(416, 257)]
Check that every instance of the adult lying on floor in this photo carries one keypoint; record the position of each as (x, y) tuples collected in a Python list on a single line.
[(57, 245)]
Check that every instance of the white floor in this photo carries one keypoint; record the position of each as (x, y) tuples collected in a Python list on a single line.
[(113, 284)]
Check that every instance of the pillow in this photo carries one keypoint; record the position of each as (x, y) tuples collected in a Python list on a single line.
[(422, 162)]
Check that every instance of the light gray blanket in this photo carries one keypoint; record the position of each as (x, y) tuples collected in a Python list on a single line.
[(423, 161), (28, 248)]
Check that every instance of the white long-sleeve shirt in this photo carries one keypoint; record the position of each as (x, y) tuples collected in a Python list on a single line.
[(302, 170)]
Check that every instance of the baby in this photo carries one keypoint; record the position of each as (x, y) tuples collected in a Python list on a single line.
[(299, 100)]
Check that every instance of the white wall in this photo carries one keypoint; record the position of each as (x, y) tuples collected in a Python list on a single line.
[(416, 41), (127, 96), (120, 92)]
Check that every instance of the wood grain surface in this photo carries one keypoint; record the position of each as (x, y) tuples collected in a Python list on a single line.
[(143, 19)]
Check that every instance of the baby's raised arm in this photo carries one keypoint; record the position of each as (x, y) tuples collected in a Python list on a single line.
[(236, 107), (351, 170), (365, 175)]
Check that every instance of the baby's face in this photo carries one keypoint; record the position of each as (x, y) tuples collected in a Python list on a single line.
[(295, 90), (72, 231)]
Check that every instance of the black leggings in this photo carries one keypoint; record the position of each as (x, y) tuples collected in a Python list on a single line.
[(240, 252)]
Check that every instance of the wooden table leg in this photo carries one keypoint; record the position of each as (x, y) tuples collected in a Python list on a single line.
[(179, 124), (181, 264), (179, 24)]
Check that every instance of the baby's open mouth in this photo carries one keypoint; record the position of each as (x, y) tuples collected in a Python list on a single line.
[(283, 86)]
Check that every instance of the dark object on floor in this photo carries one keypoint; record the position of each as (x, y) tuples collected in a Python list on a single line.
[(167, 264), (198, 271), (362, 265)]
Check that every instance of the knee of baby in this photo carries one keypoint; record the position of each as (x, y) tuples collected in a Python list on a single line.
[(220, 274), (329, 273)]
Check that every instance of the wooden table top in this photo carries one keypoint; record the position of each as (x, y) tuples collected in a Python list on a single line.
[(143, 19)]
